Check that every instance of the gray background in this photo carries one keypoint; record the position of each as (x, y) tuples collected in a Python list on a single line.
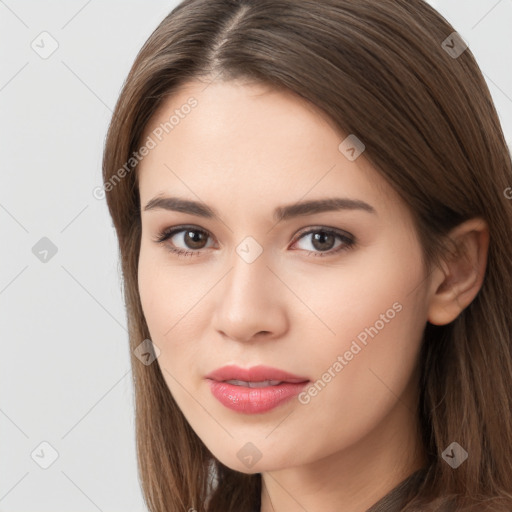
[(65, 373)]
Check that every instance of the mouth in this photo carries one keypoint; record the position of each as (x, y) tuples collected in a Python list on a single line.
[(248, 384), (254, 390), (254, 375)]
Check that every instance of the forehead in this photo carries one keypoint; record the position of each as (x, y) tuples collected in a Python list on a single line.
[(245, 140)]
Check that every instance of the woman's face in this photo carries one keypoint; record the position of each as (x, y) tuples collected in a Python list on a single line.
[(336, 297)]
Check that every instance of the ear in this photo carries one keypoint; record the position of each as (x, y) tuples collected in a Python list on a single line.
[(456, 284)]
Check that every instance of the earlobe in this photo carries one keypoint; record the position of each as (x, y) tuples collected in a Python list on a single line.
[(456, 284)]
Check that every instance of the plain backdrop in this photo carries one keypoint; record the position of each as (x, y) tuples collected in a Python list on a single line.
[(66, 400)]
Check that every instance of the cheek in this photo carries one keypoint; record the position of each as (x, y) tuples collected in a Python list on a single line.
[(164, 293), (152, 296), (379, 317), (170, 303), (160, 298), (347, 300)]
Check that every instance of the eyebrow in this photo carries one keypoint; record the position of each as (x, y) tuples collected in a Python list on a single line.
[(280, 213)]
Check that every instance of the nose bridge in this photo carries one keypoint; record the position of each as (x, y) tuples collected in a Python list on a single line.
[(249, 278), (247, 302)]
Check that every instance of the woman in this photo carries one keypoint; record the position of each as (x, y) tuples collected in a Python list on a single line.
[(312, 212)]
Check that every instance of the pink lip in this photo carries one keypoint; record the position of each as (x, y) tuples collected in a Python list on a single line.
[(254, 400), (253, 374)]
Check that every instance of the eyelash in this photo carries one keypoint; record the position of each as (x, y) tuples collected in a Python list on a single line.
[(348, 240)]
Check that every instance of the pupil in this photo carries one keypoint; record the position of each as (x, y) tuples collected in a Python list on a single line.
[(321, 237), (196, 237)]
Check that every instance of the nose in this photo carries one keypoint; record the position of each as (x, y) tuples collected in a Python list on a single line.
[(250, 302)]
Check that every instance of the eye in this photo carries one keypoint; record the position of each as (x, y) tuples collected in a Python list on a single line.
[(323, 241), (193, 239), (188, 236)]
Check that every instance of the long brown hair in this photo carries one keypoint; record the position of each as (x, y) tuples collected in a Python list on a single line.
[(385, 71)]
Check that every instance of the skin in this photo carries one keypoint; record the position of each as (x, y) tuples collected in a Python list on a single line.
[(244, 150)]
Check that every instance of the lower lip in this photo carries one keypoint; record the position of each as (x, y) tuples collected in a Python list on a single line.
[(254, 400)]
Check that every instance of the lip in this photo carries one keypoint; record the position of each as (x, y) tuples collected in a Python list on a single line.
[(246, 400), (254, 374)]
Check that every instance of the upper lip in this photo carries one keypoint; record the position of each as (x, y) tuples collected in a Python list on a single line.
[(253, 374)]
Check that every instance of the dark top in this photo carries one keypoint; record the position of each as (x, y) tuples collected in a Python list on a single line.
[(395, 499)]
